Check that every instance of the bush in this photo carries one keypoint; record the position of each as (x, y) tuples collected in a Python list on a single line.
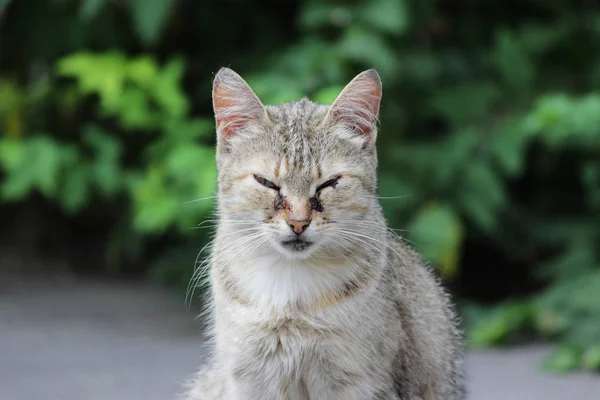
[(490, 132)]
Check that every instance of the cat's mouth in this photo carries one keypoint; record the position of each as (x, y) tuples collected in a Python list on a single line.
[(297, 244)]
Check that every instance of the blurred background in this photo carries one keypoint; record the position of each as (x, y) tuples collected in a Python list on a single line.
[(489, 143)]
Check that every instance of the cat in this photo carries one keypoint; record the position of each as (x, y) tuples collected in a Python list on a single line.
[(312, 295)]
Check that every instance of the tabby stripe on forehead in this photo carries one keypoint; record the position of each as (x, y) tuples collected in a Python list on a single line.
[(297, 129)]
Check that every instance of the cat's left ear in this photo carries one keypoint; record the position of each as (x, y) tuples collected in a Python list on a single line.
[(357, 107)]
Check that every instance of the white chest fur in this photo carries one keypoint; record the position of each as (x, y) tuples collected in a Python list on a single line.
[(275, 282), (276, 350)]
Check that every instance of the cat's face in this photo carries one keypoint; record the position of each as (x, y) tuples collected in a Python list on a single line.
[(296, 179)]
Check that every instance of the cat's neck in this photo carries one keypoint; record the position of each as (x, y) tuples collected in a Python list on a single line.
[(266, 278)]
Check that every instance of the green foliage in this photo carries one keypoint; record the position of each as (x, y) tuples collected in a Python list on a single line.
[(149, 18), (142, 96), (499, 325), (490, 130), (438, 231), (135, 95)]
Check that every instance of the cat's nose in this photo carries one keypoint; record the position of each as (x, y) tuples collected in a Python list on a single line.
[(298, 225)]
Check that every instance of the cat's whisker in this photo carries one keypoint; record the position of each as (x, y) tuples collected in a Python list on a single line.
[(197, 270), (234, 243), (200, 199), (378, 241), (340, 243), (362, 243), (200, 270), (392, 197), (222, 220), (376, 226), (241, 244), (368, 223), (255, 245)]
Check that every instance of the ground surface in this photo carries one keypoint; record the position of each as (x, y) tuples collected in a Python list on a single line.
[(89, 340)]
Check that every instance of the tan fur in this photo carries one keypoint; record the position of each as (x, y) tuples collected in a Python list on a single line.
[(354, 316)]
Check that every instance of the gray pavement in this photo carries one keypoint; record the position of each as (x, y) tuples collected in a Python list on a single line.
[(90, 340)]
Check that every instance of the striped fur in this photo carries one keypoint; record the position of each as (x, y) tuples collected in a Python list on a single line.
[(356, 315)]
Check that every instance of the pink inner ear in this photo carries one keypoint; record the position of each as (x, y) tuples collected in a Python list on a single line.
[(225, 105), (234, 103), (358, 104)]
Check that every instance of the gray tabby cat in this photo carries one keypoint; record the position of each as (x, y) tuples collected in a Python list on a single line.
[(312, 296)]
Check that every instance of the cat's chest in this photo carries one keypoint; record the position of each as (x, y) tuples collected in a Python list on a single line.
[(285, 337), (274, 283), (287, 309), (281, 332)]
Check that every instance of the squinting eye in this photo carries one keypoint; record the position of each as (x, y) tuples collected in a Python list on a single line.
[(330, 183), (266, 183)]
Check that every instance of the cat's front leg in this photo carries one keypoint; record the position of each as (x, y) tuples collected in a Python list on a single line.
[(355, 391), (336, 377), (334, 383)]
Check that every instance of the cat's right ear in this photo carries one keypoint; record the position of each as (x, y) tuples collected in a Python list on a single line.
[(235, 104)]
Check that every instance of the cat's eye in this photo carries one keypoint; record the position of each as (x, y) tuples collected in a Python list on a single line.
[(330, 183), (266, 183)]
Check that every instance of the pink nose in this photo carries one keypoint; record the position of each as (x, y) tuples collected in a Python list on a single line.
[(298, 226)]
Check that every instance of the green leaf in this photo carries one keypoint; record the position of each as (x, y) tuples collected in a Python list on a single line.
[(177, 130), (421, 67), (578, 259), (143, 71), (327, 95), (591, 358), (188, 157), (389, 16), (438, 232), (90, 9), (465, 103), (34, 164), (105, 169), (539, 38), (12, 153), (149, 18), (275, 89), (167, 91), (155, 208), (591, 176), (513, 62), (316, 14), (509, 145), (102, 74), (560, 119), (134, 110), (398, 196), (75, 193), (481, 194), (450, 155), (550, 323), (500, 324), (186, 172), (565, 358), (365, 46)]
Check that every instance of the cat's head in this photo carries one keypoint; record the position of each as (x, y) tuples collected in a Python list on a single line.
[(297, 178)]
